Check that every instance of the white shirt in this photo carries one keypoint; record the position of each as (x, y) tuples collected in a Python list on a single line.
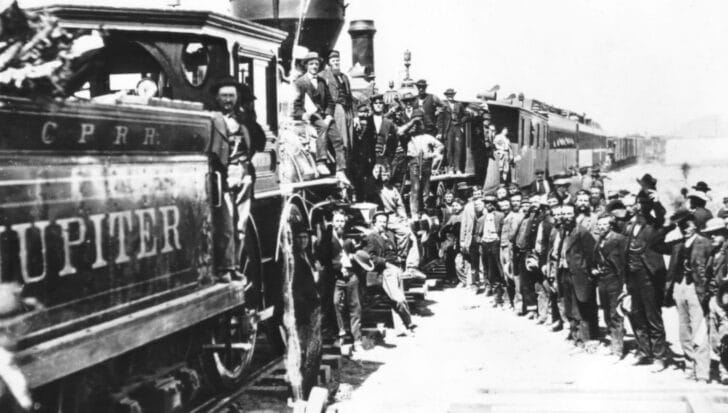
[(423, 144), (377, 122)]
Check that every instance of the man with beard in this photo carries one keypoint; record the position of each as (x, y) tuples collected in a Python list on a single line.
[(469, 245), (596, 200), (576, 262), (489, 229), (691, 293), (385, 132), (511, 219), (362, 162), (584, 215), (610, 259), (646, 273), (524, 242)]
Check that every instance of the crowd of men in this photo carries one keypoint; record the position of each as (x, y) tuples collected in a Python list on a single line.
[(560, 256)]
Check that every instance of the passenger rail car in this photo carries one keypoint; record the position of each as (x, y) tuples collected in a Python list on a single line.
[(627, 149)]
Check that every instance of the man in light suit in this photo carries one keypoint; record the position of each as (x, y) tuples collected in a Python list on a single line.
[(340, 89), (312, 86), (449, 126)]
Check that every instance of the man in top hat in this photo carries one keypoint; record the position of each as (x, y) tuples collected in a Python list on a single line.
[(385, 132), (340, 90), (540, 185), (430, 105), (488, 230), (687, 274), (610, 259), (313, 103), (697, 200), (450, 127)]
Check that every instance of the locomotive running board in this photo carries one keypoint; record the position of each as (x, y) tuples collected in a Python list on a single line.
[(73, 352)]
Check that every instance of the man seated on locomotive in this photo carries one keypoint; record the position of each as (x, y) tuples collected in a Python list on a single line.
[(242, 138), (314, 104), (380, 245)]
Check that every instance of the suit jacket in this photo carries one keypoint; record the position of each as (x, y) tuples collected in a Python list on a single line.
[(340, 90), (649, 242), (381, 249), (480, 224), (698, 262), (509, 228), (544, 189), (467, 225), (611, 257), (328, 252), (717, 269), (429, 105), (450, 117), (579, 255), (386, 141), (318, 93)]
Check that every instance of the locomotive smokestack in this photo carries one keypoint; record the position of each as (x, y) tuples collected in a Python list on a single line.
[(362, 43)]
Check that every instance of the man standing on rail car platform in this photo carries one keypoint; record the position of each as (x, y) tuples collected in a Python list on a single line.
[(450, 128), (241, 137), (340, 89), (313, 103), (431, 106)]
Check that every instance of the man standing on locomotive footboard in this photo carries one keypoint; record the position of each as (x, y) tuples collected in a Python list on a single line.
[(340, 90)]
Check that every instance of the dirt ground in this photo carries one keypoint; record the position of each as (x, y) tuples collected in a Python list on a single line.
[(469, 356)]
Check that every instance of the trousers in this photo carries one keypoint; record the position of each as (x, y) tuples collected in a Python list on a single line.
[(329, 134), (347, 302), (646, 316), (420, 171), (490, 255), (455, 146), (693, 329), (609, 290)]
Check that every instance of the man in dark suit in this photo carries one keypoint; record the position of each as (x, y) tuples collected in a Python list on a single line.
[(487, 233), (381, 246), (321, 115), (687, 273), (541, 185), (578, 253), (430, 105), (340, 89), (610, 257), (363, 156), (450, 127), (385, 132), (646, 273)]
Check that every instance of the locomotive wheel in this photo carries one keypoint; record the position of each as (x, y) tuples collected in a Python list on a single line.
[(309, 327), (230, 343)]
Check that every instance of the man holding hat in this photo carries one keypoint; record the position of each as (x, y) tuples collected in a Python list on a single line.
[(313, 103), (450, 127), (687, 274), (430, 105), (340, 89)]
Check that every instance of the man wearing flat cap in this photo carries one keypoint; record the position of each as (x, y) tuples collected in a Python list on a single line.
[(430, 105), (340, 89), (313, 103), (450, 126)]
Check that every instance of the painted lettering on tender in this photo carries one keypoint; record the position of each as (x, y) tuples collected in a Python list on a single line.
[(87, 131), (48, 134), (114, 228), (121, 132), (150, 136)]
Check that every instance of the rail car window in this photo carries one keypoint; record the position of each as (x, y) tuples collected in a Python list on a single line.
[(520, 132), (195, 60)]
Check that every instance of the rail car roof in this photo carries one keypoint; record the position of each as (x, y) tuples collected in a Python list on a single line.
[(506, 104), (253, 37), (560, 123)]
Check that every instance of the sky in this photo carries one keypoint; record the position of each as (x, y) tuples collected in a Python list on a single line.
[(634, 66), (644, 66)]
